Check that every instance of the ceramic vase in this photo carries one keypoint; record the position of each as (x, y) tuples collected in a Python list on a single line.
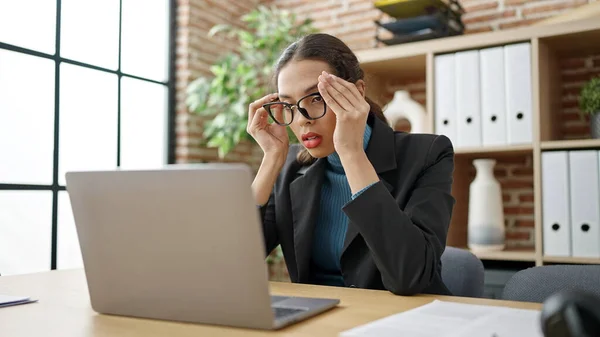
[(486, 230), (403, 106)]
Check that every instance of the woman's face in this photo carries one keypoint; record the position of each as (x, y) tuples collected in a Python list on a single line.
[(296, 80)]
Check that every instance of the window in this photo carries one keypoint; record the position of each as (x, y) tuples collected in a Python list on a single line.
[(84, 85)]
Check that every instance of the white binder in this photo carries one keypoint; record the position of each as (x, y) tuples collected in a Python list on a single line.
[(585, 199), (517, 61), (493, 98), (556, 217), (468, 100), (445, 96)]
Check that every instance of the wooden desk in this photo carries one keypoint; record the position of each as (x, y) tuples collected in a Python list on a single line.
[(64, 310)]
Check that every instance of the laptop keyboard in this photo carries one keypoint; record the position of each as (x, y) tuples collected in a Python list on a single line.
[(284, 312)]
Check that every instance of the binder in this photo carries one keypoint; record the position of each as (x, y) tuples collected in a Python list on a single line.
[(556, 216), (585, 199), (493, 98), (468, 100), (517, 61), (445, 96)]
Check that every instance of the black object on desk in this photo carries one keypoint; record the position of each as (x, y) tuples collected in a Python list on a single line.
[(571, 313)]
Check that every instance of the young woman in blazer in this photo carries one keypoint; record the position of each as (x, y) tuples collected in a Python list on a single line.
[(354, 204)]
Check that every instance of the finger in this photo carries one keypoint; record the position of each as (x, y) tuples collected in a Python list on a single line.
[(351, 87), (337, 95), (341, 95), (260, 119), (335, 107), (254, 106)]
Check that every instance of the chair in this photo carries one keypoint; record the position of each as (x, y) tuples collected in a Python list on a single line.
[(536, 284), (462, 272)]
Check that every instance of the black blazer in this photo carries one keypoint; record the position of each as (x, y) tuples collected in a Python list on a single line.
[(397, 228)]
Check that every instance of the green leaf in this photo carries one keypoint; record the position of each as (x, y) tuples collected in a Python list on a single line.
[(243, 75), (589, 99)]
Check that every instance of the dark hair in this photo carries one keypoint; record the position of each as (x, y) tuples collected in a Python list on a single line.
[(340, 58)]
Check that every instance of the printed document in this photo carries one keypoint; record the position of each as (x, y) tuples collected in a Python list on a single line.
[(449, 319)]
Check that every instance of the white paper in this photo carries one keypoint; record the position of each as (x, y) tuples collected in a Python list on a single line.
[(449, 319), (6, 301)]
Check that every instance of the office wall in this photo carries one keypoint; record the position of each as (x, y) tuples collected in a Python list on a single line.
[(195, 54), (352, 21)]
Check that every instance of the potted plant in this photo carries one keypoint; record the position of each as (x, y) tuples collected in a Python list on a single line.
[(589, 103), (242, 76)]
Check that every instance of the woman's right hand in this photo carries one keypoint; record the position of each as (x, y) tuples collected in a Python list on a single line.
[(271, 137)]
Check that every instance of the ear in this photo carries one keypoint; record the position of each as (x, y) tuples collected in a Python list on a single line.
[(360, 85)]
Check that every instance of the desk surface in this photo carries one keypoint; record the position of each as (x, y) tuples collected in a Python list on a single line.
[(64, 310)]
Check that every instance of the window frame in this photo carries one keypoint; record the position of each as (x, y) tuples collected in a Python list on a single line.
[(55, 187)]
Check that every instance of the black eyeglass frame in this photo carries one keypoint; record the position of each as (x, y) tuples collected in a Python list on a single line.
[(303, 111)]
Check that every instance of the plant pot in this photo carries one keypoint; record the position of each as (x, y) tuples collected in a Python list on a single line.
[(486, 230), (595, 125)]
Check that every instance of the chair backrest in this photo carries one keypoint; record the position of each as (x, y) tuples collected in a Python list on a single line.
[(462, 272), (536, 284)]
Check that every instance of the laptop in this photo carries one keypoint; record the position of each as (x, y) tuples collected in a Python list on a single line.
[(180, 243)]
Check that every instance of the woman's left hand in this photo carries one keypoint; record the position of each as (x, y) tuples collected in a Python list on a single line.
[(351, 111)]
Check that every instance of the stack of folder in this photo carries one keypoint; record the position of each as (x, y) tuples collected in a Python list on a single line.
[(417, 20), (483, 97), (571, 203)]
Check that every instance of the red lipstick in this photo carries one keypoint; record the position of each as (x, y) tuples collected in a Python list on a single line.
[(311, 140)]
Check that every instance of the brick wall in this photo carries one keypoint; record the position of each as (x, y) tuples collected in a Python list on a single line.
[(575, 71), (352, 21), (196, 52)]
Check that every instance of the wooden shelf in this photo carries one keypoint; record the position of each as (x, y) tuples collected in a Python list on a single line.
[(406, 59), (571, 260), (526, 255), (571, 144), (495, 150), (549, 44)]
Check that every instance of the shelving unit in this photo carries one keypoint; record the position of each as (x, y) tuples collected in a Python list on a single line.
[(525, 255), (571, 144), (549, 43)]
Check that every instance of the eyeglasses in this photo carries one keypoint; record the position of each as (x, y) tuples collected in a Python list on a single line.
[(311, 106)]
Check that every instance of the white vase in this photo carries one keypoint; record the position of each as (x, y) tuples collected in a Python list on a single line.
[(403, 106), (486, 211)]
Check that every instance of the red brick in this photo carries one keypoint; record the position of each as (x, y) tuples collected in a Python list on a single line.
[(580, 76), (578, 131), (553, 7), (500, 172), (489, 17), (478, 30), (522, 171), (511, 160), (526, 198), (519, 23), (510, 184), (572, 62), (572, 116), (524, 223), (506, 197), (518, 210), (480, 6), (510, 235), (515, 2)]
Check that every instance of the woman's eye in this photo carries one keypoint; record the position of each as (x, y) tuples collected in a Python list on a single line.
[(317, 99)]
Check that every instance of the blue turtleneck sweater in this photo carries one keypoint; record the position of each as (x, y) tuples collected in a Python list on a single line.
[(332, 222)]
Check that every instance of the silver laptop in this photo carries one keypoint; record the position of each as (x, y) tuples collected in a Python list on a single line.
[(181, 243)]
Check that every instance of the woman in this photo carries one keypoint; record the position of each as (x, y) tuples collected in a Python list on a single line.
[(355, 203)]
